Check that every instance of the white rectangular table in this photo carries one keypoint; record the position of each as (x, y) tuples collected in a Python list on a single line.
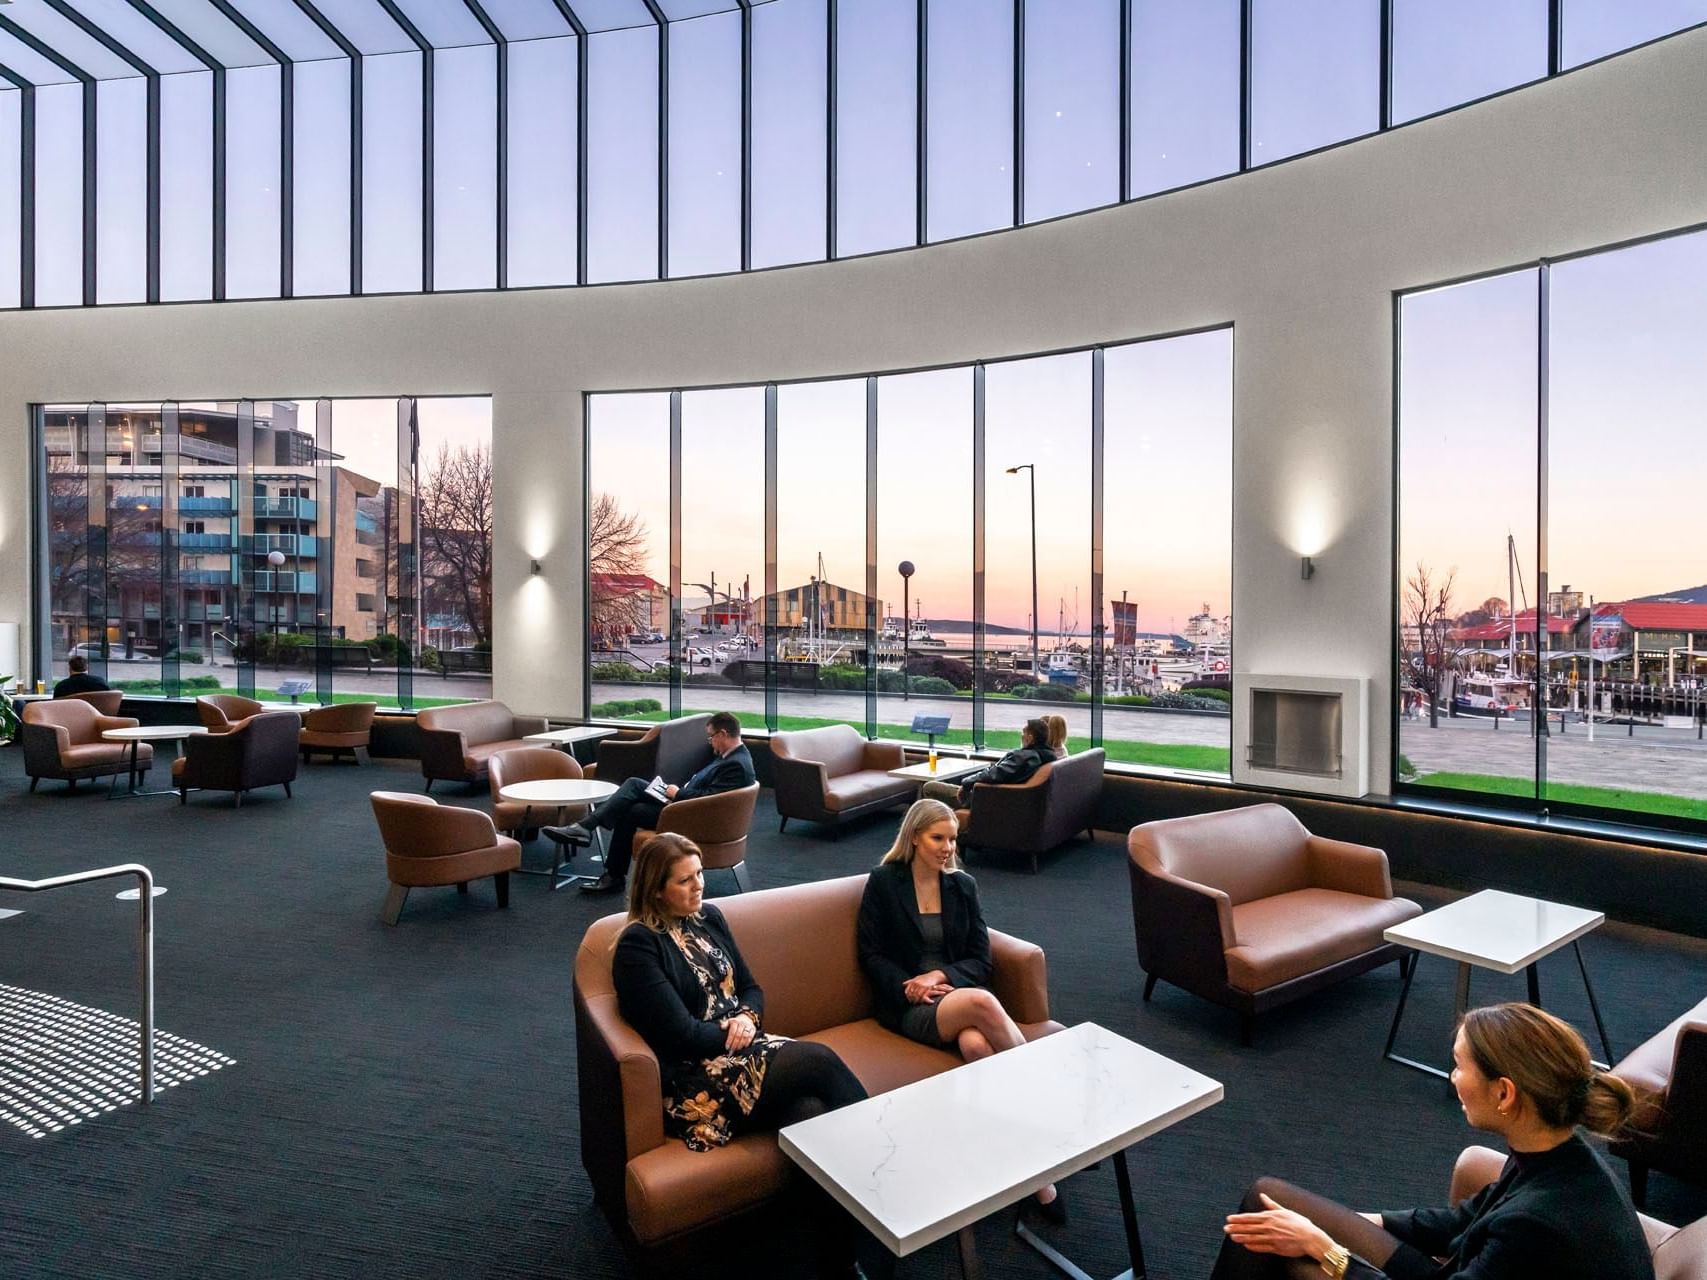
[(1505, 932), (934, 1157), (567, 738)]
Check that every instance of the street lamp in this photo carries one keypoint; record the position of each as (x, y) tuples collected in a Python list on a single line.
[(275, 558), (1014, 471), (905, 569)]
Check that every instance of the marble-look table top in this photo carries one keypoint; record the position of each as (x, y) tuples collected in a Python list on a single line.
[(1496, 930)]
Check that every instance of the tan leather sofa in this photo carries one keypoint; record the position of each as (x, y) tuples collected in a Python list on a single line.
[(718, 824), (674, 750), (344, 728), (799, 943), (428, 845), (1679, 1253), (1047, 809), (223, 712), (1670, 1129), (832, 774), (457, 741), (62, 739), (1246, 908)]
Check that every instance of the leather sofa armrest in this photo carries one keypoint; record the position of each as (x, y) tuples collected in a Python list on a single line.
[(1349, 868), (458, 830), (590, 771), (637, 1067), (1012, 809), (521, 726), (802, 787), (45, 746), (620, 760), (442, 752), (1475, 1169), (1019, 977), (883, 755), (719, 818), (103, 723), (1685, 1115)]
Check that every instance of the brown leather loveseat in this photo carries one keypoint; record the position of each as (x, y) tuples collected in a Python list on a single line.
[(799, 943), (832, 774), (1048, 808), (1246, 908), (456, 741)]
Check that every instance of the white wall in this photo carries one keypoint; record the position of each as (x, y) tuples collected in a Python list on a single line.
[(1303, 259)]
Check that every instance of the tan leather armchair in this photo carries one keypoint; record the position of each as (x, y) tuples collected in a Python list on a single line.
[(799, 941), (530, 764), (106, 701), (427, 845), (344, 728), (832, 774), (1247, 909), (458, 740), (718, 824), (62, 739), (673, 750), (1669, 1132), (1047, 809), (1679, 1253), (223, 712)]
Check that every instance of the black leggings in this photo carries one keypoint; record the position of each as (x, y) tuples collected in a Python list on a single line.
[(804, 1079), (1353, 1230)]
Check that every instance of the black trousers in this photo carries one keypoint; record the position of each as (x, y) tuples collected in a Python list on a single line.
[(1349, 1228), (625, 811)]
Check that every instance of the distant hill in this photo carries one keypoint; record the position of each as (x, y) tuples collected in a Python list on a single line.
[(1690, 595)]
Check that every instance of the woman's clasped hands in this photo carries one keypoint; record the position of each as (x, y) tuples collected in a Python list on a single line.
[(927, 988), (738, 1032)]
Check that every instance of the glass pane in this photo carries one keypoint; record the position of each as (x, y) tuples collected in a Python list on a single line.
[(366, 25), (29, 64), (456, 547), (924, 517), (136, 33), (59, 195), (1185, 92), (209, 28), (121, 212), (186, 186), (11, 142), (969, 146), (628, 554), (723, 553), (876, 127), (820, 500), (1595, 28), (465, 168), (1467, 549), (1450, 51), (705, 145), (1168, 559), (321, 182), (622, 178), (70, 566), (1315, 74), (133, 594), (70, 42), (291, 29), (391, 173), (1072, 107), (1038, 412), (1628, 404), (365, 433), (251, 183), (789, 123), (543, 202), (527, 19), (445, 26), (608, 15)]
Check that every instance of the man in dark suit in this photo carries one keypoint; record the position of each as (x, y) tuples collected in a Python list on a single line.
[(630, 808)]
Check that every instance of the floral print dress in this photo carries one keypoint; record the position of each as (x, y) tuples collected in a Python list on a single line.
[(714, 1095)]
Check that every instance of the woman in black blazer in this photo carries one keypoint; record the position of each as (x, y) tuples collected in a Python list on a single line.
[(682, 984), (923, 944)]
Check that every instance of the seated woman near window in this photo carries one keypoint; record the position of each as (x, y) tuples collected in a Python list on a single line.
[(1555, 1210), (1057, 726), (923, 943)]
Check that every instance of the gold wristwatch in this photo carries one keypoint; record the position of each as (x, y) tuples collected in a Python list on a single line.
[(1335, 1261)]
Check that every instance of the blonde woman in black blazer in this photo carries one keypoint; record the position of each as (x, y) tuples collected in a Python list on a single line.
[(923, 944)]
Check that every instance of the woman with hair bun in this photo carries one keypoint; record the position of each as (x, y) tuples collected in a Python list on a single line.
[(1555, 1212)]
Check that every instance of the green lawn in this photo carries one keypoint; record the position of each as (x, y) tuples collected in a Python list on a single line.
[(1565, 793), (1165, 755)]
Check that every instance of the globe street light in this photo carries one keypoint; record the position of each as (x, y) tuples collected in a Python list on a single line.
[(1014, 471), (905, 569), (275, 558)]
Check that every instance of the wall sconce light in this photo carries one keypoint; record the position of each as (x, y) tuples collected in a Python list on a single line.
[(1307, 569), (534, 568)]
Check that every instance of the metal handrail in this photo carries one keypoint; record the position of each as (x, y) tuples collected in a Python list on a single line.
[(145, 941)]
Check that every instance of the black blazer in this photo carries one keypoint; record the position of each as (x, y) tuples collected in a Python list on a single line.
[(891, 948), (1551, 1215), (726, 773), (1017, 766), (661, 998)]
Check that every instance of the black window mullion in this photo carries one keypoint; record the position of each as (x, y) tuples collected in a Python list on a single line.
[(1385, 115), (287, 150), (771, 583), (678, 640), (91, 181), (349, 50), (1019, 113), (582, 96), (501, 46), (663, 25), (425, 48), (1125, 99), (921, 120), (1245, 36), (1098, 477), (871, 689), (832, 18), (978, 574), (26, 185), (1555, 36), (1543, 434), (747, 148)]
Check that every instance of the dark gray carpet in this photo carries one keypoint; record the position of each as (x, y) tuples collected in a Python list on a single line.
[(403, 1100)]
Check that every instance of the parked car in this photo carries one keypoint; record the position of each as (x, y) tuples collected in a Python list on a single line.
[(700, 657)]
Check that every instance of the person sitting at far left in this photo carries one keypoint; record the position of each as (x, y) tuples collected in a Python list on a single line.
[(79, 681), (630, 808)]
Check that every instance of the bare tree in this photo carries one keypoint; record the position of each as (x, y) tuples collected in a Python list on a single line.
[(1428, 612), (616, 549), (455, 500)]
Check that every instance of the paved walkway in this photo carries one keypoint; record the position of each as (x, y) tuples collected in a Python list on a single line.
[(1672, 761)]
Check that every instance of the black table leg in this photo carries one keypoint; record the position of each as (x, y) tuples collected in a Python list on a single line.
[(1129, 1216), (970, 1267), (1461, 997), (1594, 1006), (1410, 972), (1460, 1002), (1533, 974)]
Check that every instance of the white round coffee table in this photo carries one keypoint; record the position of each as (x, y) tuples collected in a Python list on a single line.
[(136, 735), (557, 793)]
